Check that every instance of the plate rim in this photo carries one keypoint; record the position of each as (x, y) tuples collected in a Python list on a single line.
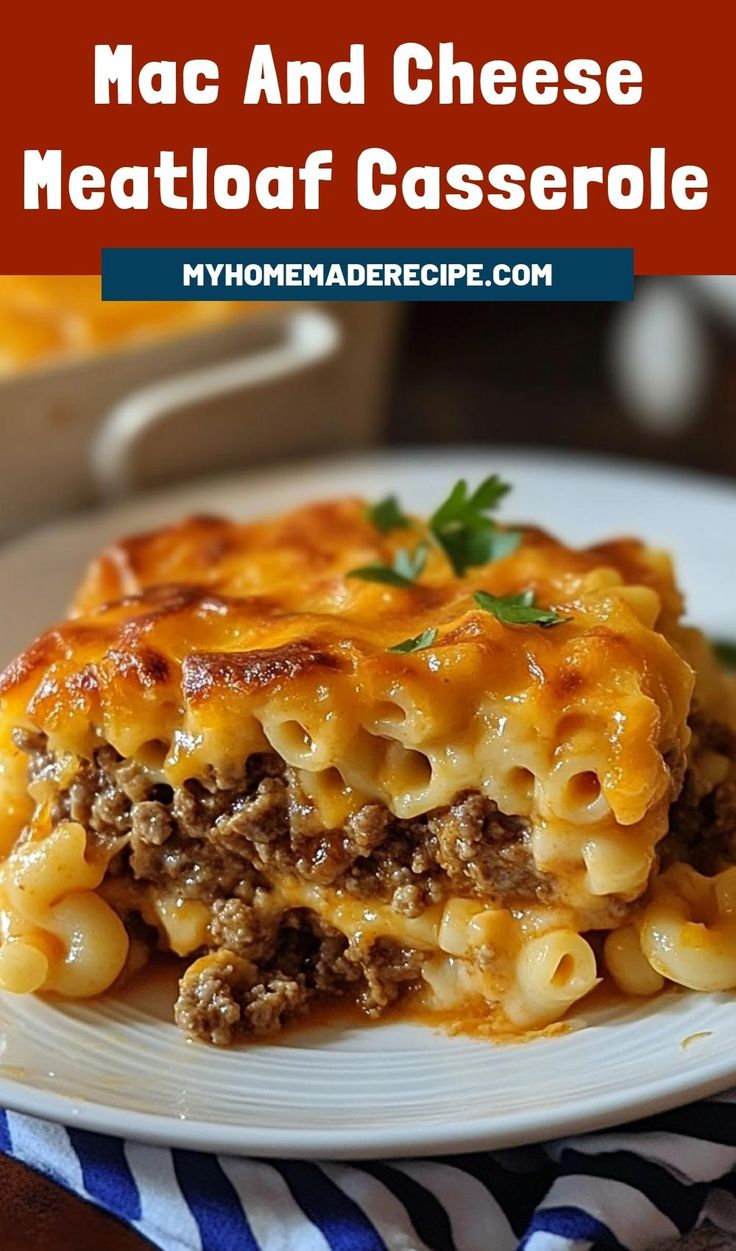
[(596, 1113)]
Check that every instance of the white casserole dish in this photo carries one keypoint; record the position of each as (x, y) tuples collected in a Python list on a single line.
[(296, 380)]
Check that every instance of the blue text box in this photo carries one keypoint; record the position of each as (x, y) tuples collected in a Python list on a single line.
[(367, 274)]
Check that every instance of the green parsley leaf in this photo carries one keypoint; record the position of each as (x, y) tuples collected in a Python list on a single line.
[(478, 545), (425, 639), (725, 650), (519, 609), (387, 515), (466, 535), (379, 573), (406, 568), (411, 564), (489, 494), (460, 508)]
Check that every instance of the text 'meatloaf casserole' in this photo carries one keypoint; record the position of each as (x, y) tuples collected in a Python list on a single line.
[(348, 754)]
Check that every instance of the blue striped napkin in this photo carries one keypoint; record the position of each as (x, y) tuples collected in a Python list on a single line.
[(622, 1189)]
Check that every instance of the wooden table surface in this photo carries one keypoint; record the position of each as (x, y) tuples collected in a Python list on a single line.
[(36, 1214)]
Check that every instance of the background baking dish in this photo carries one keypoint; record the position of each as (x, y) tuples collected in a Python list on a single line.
[(112, 413)]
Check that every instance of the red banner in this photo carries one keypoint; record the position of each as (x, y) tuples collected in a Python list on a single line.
[(451, 125)]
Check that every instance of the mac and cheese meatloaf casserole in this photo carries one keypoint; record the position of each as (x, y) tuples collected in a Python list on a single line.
[(348, 754)]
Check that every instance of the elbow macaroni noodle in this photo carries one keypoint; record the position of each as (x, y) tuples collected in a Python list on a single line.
[(191, 649), (60, 934), (685, 933), (688, 929)]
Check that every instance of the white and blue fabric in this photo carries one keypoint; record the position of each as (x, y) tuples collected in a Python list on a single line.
[(623, 1190)]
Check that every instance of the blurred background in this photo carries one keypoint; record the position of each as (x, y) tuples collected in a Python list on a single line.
[(101, 400)]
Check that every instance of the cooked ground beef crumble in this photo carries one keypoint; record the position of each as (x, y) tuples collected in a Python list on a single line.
[(221, 839), (218, 837), (302, 958)]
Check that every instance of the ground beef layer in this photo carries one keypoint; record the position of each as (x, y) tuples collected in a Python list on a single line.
[(702, 826), (221, 839), (216, 836)]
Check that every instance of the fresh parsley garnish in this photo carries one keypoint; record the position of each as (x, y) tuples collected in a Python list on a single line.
[(387, 515), (459, 506), (520, 609), (460, 527), (463, 530), (425, 639), (466, 548), (725, 650), (404, 570)]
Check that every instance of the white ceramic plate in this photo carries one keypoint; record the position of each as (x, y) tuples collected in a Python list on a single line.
[(120, 1066)]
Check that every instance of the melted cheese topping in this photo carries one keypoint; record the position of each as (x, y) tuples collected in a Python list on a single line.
[(199, 644)]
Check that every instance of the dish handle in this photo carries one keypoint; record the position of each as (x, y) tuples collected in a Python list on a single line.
[(310, 335)]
